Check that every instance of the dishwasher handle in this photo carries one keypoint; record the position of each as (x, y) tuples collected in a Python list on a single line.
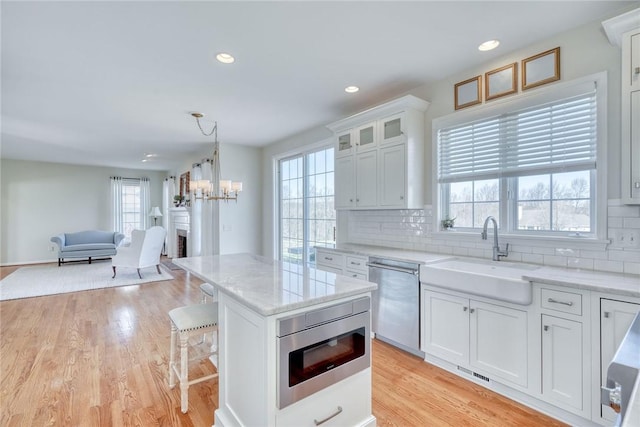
[(412, 271)]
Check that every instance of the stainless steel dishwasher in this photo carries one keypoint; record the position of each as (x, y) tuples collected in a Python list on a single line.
[(396, 303)]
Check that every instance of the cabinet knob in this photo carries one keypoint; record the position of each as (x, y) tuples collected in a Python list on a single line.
[(636, 70), (351, 200), (606, 314), (465, 308), (401, 197), (472, 310), (546, 327), (357, 200)]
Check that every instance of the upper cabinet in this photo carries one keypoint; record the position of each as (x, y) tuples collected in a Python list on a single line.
[(380, 157), (624, 31)]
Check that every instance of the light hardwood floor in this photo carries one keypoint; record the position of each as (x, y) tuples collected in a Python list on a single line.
[(99, 358)]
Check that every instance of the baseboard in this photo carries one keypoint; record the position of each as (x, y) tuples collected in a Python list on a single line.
[(12, 264)]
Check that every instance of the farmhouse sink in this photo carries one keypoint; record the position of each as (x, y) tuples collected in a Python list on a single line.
[(492, 279)]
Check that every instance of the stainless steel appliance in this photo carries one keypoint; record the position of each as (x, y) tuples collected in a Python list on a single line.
[(623, 373), (321, 347), (396, 303)]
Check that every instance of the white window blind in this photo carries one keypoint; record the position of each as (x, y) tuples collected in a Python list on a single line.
[(558, 136)]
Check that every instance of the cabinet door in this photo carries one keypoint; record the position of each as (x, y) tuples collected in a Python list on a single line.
[(498, 341), (392, 176), (562, 363), (366, 137), (367, 179), (392, 129), (634, 146), (615, 319), (344, 185), (345, 143), (445, 326), (635, 61)]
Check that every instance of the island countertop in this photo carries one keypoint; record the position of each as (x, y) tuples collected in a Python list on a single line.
[(269, 286)]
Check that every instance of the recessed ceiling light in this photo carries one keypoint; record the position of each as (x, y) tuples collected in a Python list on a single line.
[(150, 155), (225, 58), (351, 89), (488, 45)]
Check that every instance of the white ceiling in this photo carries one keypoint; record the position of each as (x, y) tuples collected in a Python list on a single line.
[(103, 83)]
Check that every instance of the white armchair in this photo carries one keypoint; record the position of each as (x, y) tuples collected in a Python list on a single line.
[(145, 250)]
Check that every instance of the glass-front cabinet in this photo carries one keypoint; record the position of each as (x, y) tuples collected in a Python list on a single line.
[(366, 137), (380, 156), (345, 143), (392, 129)]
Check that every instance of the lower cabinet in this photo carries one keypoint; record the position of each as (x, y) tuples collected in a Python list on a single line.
[(615, 319), (337, 262), (488, 338), (562, 361)]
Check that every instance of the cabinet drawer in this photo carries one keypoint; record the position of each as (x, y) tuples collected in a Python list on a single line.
[(356, 274), (330, 258), (356, 263), (566, 302), (347, 403)]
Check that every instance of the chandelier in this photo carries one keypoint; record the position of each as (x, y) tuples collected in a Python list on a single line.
[(217, 188)]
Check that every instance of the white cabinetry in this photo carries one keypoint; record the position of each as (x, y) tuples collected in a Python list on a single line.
[(380, 157), (624, 31), (337, 262), (565, 349), (615, 319), (488, 338)]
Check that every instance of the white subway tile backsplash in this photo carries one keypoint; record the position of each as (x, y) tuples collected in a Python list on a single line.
[(412, 229), (612, 266)]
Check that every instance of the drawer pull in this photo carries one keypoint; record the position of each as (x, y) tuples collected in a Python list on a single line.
[(328, 258), (355, 263), (569, 303), (316, 422)]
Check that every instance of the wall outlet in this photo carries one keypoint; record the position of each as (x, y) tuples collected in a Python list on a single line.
[(626, 238)]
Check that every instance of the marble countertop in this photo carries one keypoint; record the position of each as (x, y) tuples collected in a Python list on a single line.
[(621, 284), (270, 287), (394, 254)]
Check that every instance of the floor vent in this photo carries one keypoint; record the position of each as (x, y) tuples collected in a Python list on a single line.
[(474, 374), (482, 377)]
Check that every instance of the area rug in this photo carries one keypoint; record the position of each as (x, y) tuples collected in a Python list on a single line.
[(36, 281)]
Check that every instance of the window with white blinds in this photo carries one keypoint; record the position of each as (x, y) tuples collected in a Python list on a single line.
[(557, 136), (530, 161)]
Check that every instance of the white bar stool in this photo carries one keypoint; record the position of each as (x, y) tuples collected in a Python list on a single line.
[(209, 291), (187, 321)]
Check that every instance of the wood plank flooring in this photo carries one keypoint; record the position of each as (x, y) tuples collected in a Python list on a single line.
[(99, 358)]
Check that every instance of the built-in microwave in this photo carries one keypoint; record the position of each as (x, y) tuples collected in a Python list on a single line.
[(321, 347)]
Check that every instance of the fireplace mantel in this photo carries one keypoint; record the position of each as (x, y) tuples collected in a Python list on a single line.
[(179, 219)]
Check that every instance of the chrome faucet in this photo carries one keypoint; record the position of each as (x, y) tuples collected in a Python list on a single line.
[(497, 253)]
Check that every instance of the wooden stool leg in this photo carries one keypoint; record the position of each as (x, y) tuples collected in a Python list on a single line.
[(172, 357), (184, 372)]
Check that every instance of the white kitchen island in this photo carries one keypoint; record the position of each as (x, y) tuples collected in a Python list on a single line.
[(255, 294)]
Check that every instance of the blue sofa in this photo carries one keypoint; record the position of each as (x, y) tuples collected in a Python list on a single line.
[(87, 244)]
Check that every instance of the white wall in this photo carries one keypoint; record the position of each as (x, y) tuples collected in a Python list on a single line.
[(239, 222), (40, 200)]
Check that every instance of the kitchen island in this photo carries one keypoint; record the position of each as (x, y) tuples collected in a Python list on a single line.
[(256, 297)]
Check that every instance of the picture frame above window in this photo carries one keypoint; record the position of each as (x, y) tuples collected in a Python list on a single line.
[(541, 69), (468, 92), (501, 81)]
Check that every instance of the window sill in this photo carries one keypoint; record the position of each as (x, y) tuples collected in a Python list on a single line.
[(586, 243)]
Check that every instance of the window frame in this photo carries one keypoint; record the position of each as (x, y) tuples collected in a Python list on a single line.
[(508, 207), (310, 149)]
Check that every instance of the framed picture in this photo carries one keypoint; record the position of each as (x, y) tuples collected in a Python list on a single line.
[(501, 81), (541, 69), (184, 184), (468, 92)]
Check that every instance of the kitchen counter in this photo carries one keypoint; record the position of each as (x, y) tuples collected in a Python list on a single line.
[(254, 294), (270, 287), (394, 254), (622, 284)]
